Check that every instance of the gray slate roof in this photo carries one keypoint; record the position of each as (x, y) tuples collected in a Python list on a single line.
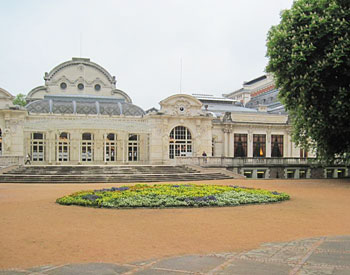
[(84, 105)]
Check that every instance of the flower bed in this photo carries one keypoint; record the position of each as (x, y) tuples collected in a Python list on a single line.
[(167, 195)]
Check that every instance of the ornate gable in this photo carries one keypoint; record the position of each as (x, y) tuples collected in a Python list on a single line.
[(181, 105)]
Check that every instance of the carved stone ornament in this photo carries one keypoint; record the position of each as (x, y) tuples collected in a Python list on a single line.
[(227, 117), (182, 107)]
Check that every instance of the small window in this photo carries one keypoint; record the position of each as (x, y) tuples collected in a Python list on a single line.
[(329, 173), (97, 87), (81, 86), (290, 173), (63, 85), (302, 173), (182, 109), (261, 174), (248, 173), (341, 173)]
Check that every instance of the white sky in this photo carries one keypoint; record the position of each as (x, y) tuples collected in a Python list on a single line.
[(221, 43)]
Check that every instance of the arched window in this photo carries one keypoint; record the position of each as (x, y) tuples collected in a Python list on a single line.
[(63, 147), (110, 148), (180, 142), (37, 146), (87, 147), (133, 147)]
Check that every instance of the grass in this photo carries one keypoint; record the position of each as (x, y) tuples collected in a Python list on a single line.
[(171, 195)]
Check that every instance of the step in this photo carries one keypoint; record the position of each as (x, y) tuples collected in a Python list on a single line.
[(104, 174)]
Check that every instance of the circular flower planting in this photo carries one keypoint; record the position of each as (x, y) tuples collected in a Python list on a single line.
[(167, 195)]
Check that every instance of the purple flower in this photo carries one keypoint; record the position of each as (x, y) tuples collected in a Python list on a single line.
[(199, 199), (123, 188), (91, 197)]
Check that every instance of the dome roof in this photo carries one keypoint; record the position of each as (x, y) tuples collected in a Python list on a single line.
[(87, 105)]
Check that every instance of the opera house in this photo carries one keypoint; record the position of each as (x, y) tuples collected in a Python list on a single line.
[(79, 117)]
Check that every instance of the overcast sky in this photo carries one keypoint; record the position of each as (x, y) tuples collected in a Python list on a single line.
[(221, 43)]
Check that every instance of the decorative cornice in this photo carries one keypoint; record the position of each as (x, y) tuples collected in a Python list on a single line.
[(79, 61), (36, 89), (7, 94)]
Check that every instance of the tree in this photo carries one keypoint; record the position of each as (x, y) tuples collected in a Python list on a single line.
[(309, 56), (20, 100)]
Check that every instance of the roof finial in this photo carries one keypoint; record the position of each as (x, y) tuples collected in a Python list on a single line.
[(181, 75), (81, 43)]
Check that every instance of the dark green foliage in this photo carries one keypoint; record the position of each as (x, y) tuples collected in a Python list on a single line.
[(20, 100), (309, 56)]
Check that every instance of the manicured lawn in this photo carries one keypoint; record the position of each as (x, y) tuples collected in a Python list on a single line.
[(168, 195)]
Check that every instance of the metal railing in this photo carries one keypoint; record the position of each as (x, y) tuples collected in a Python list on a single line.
[(239, 162)]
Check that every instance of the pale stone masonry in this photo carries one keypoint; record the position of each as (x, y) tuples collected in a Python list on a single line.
[(79, 117)]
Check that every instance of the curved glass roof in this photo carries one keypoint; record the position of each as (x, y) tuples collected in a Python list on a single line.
[(88, 105)]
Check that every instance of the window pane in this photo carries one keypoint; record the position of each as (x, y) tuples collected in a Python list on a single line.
[(87, 136), (64, 136), (110, 136), (259, 145), (240, 145), (277, 146), (38, 135)]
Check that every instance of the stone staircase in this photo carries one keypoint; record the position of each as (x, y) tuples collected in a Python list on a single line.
[(106, 174)]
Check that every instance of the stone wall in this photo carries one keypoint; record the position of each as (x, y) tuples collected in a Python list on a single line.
[(11, 160)]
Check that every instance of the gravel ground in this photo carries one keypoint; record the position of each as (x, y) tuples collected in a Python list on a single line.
[(35, 231)]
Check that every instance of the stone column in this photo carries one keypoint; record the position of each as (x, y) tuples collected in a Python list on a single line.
[(288, 145), (122, 141), (250, 144), (142, 149), (225, 142), (50, 140), (230, 138), (75, 137), (268, 144)]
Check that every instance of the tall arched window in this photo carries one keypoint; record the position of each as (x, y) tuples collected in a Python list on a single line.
[(37, 146), (110, 149), (133, 147), (87, 147), (63, 147), (180, 142)]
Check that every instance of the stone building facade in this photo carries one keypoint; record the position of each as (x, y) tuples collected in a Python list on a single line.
[(79, 117)]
